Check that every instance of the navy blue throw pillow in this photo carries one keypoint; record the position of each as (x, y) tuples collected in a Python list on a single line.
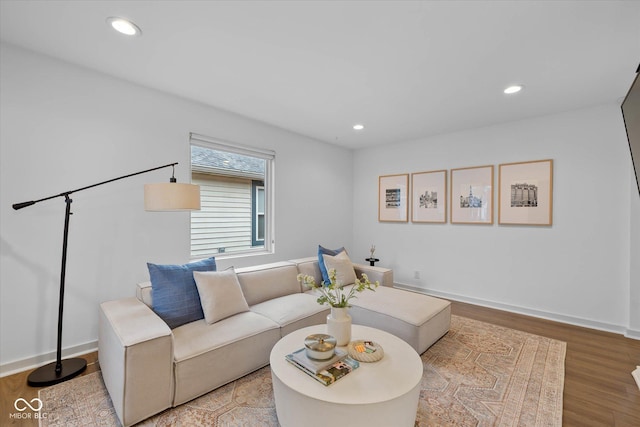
[(174, 292), (323, 268)]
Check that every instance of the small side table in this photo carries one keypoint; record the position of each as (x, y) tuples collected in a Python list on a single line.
[(372, 261)]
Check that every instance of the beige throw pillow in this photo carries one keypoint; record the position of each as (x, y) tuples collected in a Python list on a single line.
[(345, 274), (220, 294)]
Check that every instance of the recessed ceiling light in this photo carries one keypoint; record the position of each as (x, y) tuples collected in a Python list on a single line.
[(358, 127), (124, 26), (513, 89)]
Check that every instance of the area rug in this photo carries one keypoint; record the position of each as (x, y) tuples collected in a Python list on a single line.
[(478, 374)]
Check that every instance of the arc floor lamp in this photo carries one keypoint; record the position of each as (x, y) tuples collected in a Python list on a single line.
[(169, 196)]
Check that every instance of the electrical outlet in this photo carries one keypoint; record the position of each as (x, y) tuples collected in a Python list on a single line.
[(416, 274)]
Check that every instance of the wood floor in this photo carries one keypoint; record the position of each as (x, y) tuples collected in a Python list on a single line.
[(598, 390)]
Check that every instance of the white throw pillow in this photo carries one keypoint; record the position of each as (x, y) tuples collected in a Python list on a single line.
[(220, 294), (345, 274)]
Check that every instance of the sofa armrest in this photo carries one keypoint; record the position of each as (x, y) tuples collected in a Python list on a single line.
[(135, 351), (381, 274)]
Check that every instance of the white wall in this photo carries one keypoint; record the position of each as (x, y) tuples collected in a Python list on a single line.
[(63, 127), (634, 300), (577, 270)]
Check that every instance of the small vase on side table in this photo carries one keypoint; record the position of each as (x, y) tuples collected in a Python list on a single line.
[(339, 325)]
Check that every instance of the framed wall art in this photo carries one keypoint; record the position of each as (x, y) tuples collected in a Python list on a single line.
[(472, 195), (525, 193), (392, 198), (429, 196)]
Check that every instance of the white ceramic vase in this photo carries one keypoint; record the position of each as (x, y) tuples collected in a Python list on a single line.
[(339, 325)]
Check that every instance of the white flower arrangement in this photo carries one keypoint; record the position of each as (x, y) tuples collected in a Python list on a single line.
[(333, 293)]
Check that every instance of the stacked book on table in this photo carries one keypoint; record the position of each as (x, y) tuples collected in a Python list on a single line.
[(324, 371)]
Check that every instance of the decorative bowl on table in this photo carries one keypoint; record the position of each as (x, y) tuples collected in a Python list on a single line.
[(365, 351)]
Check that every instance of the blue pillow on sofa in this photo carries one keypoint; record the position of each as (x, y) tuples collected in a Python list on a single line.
[(323, 268), (174, 292)]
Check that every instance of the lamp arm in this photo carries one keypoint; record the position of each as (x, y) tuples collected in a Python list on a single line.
[(62, 370), (17, 206)]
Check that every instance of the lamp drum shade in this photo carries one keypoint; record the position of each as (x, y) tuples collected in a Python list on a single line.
[(171, 196)]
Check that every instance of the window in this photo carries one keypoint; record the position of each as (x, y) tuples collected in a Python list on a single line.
[(236, 187)]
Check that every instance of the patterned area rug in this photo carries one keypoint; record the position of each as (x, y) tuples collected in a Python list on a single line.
[(478, 374)]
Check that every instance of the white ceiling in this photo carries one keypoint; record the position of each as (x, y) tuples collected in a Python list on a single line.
[(405, 69)]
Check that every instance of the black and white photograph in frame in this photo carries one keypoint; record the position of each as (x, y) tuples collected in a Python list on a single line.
[(471, 196), (392, 198), (429, 196), (525, 193)]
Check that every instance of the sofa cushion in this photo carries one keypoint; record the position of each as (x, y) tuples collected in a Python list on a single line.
[(308, 267), (196, 338), (323, 268), (288, 311), (418, 319), (208, 356), (268, 281), (410, 307), (345, 275), (174, 293), (220, 294)]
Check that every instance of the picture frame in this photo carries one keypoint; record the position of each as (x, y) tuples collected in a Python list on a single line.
[(526, 193), (392, 198), (429, 197), (471, 196)]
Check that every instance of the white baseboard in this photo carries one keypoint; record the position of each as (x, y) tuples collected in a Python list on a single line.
[(16, 366), (630, 333), (571, 320)]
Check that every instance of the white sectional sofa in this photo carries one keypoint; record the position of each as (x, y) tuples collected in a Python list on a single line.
[(148, 367)]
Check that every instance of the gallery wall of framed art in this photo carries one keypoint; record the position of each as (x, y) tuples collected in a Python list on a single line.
[(525, 195)]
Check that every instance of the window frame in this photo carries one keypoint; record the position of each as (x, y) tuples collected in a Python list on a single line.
[(267, 182), (256, 186)]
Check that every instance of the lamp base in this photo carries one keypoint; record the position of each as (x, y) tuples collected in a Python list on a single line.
[(46, 375)]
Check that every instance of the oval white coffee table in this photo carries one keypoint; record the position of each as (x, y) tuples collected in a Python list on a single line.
[(383, 393)]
